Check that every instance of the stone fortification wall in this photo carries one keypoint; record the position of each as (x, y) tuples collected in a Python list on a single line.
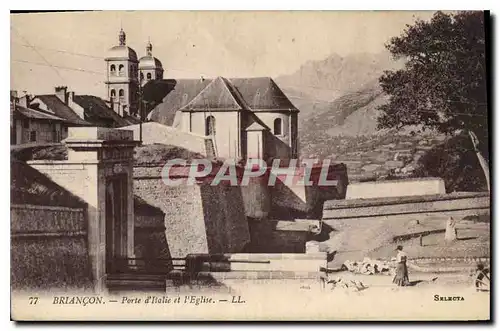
[(199, 218), (49, 248)]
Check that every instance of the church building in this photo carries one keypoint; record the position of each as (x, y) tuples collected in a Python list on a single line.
[(245, 117)]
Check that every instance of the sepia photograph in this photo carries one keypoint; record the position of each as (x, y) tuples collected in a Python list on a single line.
[(250, 165)]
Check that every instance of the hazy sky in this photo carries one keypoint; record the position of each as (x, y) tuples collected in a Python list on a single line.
[(189, 44)]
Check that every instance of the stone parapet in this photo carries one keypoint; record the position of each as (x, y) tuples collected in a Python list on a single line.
[(395, 188), (444, 203)]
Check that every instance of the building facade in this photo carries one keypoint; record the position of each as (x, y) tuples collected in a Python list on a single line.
[(77, 110), (244, 117), (30, 126)]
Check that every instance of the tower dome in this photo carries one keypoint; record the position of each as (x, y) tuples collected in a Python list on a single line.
[(121, 51), (149, 61), (150, 68)]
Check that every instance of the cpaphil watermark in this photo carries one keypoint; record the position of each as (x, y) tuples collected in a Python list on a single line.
[(307, 172)]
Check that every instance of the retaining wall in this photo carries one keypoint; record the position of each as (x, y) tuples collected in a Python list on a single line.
[(396, 188), (199, 218), (462, 204), (49, 248)]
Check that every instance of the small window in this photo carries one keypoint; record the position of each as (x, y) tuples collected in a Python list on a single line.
[(26, 123), (148, 76), (278, 127), (113, 69), (121, 93), (113, 93), (210, 126), (121, 69), (142, 76), (33, 136)]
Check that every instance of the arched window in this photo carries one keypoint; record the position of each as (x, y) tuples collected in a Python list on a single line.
[(113, 69), (121, 93), (148, 76), (142, 76), (278, 126), (121, 69), (210, 126), (113, 93)]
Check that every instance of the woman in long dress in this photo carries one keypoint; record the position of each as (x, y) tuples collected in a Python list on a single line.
[(401, 277)]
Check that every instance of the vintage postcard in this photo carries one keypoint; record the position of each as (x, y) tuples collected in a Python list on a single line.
[(287, 165)]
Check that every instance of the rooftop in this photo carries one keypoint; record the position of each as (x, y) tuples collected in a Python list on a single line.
[(121, 52), (36, 114), (149, 62), (215, 96), (98, 112), (62, 110), (254, 94)]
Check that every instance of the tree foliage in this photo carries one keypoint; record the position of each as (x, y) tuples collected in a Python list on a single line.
[(455, 161), (443, 83)]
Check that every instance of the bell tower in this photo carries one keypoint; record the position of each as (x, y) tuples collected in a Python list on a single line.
[(122, 83), (150, 68)]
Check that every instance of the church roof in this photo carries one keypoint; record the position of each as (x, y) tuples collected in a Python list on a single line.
[(149, 62), (255, 94), (171, 95), (262, 94), (216, 96), (121, 52)]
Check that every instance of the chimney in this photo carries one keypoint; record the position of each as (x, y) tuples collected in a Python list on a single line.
[(62, 94), (24, 101), (75, 106), (71, 97)]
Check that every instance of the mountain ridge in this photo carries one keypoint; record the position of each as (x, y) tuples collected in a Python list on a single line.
[(338, 116), (315, 85)]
